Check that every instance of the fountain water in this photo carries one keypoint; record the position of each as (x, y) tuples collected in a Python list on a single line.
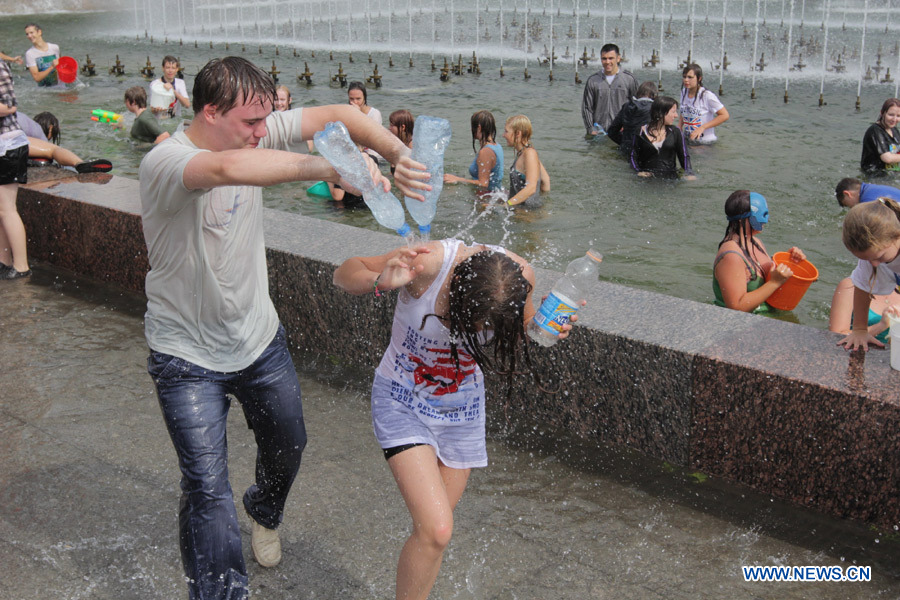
[(556, 121), (862, 53), (788, 59), (824, 56), (722, 65), (755, 47)]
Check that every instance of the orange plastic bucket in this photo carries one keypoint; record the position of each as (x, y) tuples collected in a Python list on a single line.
[(67, 69), (788, 296)]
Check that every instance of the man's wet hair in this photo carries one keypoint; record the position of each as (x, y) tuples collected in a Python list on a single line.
[(223, 82), (847, 184), (610, 48)]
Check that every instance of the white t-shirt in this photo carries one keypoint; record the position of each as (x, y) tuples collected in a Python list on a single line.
[(699, 110), (374, 114), (43, 60), (180, 88), (884, 281), (207, 289)]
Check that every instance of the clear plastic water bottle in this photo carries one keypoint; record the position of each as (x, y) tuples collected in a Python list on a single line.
[(334, 143), (564, 299), (431, 136), (597, 129)]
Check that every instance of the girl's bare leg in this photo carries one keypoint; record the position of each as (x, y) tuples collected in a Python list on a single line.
[(431, 491), (13, 245)]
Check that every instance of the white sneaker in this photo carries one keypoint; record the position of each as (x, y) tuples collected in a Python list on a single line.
[(266, 544)]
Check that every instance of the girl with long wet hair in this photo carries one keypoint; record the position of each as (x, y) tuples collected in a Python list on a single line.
[(701, 110), (881, 142), (742, 265), (527, 176), (461, 310), (358, 96), (486, 169), (401, 123), (283, 100), (871, 232), (659, 143)]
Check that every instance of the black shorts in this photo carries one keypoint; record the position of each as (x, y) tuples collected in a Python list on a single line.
[(14, 166), (389, 452)]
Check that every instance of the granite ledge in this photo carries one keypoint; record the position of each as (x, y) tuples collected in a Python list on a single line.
[(772, 404)]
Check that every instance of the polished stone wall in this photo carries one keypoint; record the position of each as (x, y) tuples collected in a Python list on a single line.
[(772, 405)]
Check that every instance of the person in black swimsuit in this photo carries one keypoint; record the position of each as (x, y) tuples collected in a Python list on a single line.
[(658, 143), (881, 143)]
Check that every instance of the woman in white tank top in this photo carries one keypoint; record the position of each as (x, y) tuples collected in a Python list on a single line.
[(460, 309)]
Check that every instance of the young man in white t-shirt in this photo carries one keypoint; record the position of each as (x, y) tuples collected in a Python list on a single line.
[(170, 81), (42, 58), (210, 324)]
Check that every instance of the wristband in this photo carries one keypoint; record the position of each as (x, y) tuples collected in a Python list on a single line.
[(509, 203), (375, 288)]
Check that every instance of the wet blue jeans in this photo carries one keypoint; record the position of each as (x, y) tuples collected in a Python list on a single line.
[(195, 409)]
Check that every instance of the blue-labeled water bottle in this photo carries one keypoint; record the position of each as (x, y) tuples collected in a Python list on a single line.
[(597, 129), (431, 136), (334, 143), (564, 299)]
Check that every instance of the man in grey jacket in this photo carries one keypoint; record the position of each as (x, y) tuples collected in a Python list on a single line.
[(606, 91)]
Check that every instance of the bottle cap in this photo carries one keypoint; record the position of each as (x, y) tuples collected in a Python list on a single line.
[(594, 255)]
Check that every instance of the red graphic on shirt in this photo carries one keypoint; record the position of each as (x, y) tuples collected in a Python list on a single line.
[(442, 377)]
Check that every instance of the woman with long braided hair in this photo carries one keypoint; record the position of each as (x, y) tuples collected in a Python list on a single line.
[(744, 276)]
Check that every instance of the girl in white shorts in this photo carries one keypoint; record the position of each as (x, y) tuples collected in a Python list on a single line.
[(460, 309)]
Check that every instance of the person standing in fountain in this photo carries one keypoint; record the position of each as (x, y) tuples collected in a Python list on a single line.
[(402, 124), (210, 324), (486, 169), (42, 58), (742, 265), (283, 100), (171, 81), (460, 309), (659, 143), (606, 91), (145, 127), (881, 142), (632, 117), (701, 110), (358, 96), (13, 171), (527, 175)]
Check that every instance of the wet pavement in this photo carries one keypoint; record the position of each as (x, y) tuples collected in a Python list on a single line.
[(89, 491)]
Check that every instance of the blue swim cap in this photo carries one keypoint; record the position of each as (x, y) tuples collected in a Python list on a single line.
[(758, 214)]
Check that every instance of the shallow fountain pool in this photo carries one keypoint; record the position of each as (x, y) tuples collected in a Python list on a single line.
[(659, 236)]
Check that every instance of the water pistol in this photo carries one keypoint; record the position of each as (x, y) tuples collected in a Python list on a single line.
[(105, 116)]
